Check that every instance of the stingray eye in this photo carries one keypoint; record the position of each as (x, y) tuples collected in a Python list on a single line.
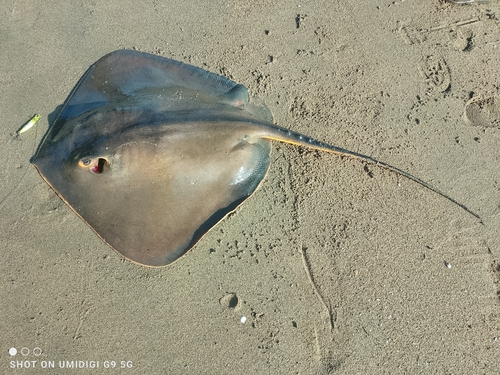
[(94, 165), (84, 163)]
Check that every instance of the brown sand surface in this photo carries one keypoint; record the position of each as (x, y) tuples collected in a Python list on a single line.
[(338, 267)]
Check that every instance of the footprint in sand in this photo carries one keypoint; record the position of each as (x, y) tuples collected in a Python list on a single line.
[(484, 112), (436, 73)]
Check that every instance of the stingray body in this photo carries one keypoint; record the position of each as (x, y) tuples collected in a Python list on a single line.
[(151, 152)]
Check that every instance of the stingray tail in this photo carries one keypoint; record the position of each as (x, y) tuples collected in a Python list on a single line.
[(287, 136)]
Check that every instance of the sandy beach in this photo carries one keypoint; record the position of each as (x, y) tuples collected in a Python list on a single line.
[(333, 266)]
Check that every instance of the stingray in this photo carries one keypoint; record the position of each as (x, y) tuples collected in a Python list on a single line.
[(151, 153)]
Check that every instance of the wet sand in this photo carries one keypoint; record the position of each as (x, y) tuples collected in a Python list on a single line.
[(337, 266)]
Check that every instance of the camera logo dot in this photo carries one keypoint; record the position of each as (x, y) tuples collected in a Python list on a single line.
[(25, 352)]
